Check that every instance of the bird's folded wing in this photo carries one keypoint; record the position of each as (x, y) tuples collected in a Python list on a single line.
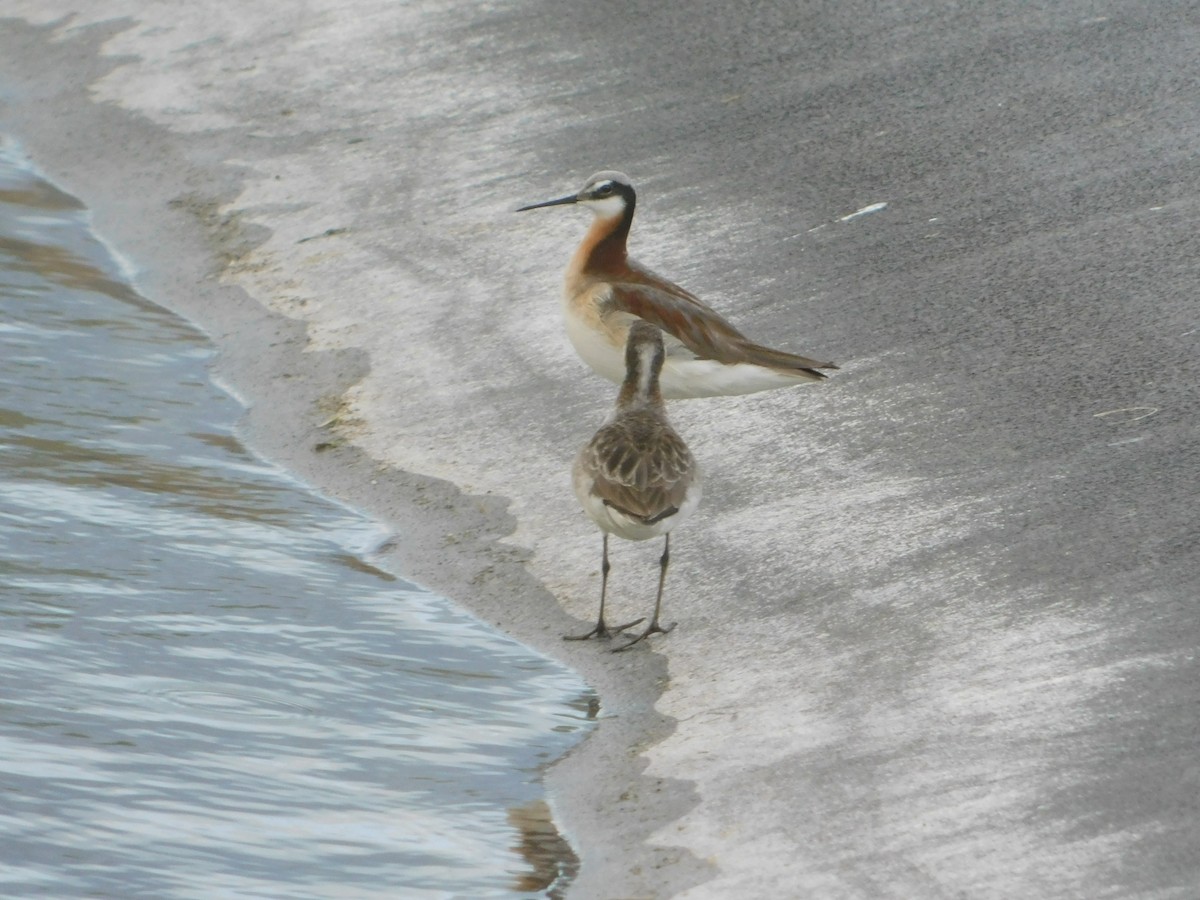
[(702, 330), (643, 485)]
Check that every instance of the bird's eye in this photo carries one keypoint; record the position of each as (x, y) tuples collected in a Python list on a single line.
[(605, 189)]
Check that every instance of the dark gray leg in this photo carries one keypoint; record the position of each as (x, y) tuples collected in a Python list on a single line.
[(654, 627), (602, 630)]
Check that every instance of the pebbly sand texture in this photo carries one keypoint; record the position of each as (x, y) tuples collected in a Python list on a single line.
[(938, 625)]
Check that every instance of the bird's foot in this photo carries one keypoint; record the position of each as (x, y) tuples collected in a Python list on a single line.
[(603, 631), (654, 628)]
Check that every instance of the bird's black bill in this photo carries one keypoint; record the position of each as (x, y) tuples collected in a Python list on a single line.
[(559, 202)]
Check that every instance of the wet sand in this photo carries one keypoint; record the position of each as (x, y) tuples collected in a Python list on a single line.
[(935, 632), (167, 212)]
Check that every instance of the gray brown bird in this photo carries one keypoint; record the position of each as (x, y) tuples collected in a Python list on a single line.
[(636, 477), (605, 291)]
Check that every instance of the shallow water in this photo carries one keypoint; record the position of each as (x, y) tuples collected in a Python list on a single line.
[(206, 688)]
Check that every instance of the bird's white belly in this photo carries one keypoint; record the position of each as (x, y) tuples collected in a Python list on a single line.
[(690, 377)]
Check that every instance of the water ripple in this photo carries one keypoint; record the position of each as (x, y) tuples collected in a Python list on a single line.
[(208, 692)]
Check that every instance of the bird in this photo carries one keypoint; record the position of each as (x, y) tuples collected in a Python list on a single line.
[(636, 477), (605, 291)]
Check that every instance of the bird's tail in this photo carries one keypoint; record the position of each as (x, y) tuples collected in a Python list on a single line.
[(778, 359)]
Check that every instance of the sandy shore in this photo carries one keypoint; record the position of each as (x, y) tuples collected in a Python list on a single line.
[(936, 636), (169, 203)]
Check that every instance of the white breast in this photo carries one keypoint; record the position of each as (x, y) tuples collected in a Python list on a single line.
[(594, 343)]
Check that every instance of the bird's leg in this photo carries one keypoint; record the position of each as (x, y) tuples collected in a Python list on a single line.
[(602, 630), (654, 627)]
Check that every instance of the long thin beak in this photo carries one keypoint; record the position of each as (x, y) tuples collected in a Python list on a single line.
[(559, 202)]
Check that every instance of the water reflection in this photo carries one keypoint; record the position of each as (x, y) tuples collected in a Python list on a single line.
[(207, 689), (552, 862)]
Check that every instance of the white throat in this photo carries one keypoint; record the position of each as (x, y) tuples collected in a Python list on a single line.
[(607, 208)]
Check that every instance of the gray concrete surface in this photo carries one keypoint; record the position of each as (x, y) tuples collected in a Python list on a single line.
[(938, 619)]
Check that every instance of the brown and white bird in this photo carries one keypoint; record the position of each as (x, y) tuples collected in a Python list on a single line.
[(636, 477), (606, 291)]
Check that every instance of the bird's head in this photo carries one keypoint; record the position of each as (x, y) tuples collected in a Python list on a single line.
[(607, 194)]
